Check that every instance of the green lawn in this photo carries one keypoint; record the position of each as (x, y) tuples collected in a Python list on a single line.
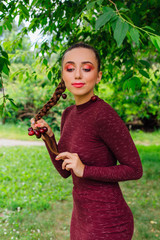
[(36, 203)]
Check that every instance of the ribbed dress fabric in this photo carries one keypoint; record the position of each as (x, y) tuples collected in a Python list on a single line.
[(98, 135)]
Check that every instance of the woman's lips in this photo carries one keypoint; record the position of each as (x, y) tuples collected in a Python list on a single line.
[(78, 85)]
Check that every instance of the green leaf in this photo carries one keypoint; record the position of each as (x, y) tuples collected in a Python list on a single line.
[(2, 7), (132, 83), (124, 9), (33, 2), (22, 58), (156, 41), (45, 62), (99, 2), (90, 5), (120, 31), (103, 19), (50, 75), (135, 35), (4, 54), (113, 22), (12, 103), (1, 109), (5, 69), (1, 63), (20, 76), (144, 73), (128, 75), (108, 9), (24, 10), (145, 63), (7, 96), (9, 25), (149, 28), (1, 30)]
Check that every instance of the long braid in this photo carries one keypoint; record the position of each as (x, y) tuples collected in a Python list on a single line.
[(53, 101)]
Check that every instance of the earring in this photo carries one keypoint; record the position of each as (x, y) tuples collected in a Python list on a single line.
[(64, 96)]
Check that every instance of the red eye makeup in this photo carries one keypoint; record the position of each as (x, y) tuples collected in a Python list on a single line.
[(69, 67), (88, 67)]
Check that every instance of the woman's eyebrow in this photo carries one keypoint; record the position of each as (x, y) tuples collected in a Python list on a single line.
[(71, 62), (87, 62)]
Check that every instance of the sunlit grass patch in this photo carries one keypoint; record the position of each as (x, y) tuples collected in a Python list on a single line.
[(36, 202)]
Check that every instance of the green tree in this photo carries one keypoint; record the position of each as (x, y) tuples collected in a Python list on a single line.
[(126, 34)]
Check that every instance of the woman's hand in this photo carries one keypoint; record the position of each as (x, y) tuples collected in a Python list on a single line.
[(71, 161), (41, 123)]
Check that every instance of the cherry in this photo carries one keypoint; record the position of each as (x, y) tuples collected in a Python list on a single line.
[(37, 133), (64, 96), (45, 129), (94, 98), (31, 133), (42, 130)]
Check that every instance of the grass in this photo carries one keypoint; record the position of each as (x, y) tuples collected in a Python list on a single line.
[(18, 132), (146, 138), (36, 203)]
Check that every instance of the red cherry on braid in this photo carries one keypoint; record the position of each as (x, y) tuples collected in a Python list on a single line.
[(42, 130), (37, 133), (31, 133), (45, 129), (64, 96)]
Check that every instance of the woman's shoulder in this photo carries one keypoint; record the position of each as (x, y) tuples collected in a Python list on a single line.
[(105, 108), (105, 112), (67, 111)]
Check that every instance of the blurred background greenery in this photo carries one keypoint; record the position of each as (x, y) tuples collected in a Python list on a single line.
[(35, 202)]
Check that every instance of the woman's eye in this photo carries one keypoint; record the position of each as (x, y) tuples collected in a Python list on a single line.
[(70, 69), (87, 69)]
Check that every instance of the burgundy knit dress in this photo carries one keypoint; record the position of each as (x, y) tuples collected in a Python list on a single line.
[(97, 134)]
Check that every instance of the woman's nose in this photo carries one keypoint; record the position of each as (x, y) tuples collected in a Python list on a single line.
[(78, 73)]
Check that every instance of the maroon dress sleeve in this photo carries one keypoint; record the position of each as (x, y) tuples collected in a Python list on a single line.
[(112, 130), (58, 164)]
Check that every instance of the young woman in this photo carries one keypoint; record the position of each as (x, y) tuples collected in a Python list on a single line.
[(93, 138)]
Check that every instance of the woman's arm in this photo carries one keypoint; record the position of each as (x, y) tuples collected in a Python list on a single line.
[(116, 136), (58, 164)]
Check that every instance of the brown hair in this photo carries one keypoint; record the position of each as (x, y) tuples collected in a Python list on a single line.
[(59, 90)]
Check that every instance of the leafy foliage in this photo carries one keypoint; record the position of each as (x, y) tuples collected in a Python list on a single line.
[(121, 33)]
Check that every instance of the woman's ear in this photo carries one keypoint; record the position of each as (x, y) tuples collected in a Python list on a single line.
[(99, 77)]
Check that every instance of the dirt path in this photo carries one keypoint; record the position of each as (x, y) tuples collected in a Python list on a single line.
[(12, 142)]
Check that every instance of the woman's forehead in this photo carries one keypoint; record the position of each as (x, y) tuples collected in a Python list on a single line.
[(80, 55)]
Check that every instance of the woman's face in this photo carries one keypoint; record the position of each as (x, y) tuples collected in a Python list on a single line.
[(80, 73)]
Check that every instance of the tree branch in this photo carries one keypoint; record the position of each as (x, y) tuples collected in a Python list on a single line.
[(115, 6)]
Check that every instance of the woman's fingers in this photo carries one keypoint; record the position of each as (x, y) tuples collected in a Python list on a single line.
[(39, 123), (64, 155), (66, 163)]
